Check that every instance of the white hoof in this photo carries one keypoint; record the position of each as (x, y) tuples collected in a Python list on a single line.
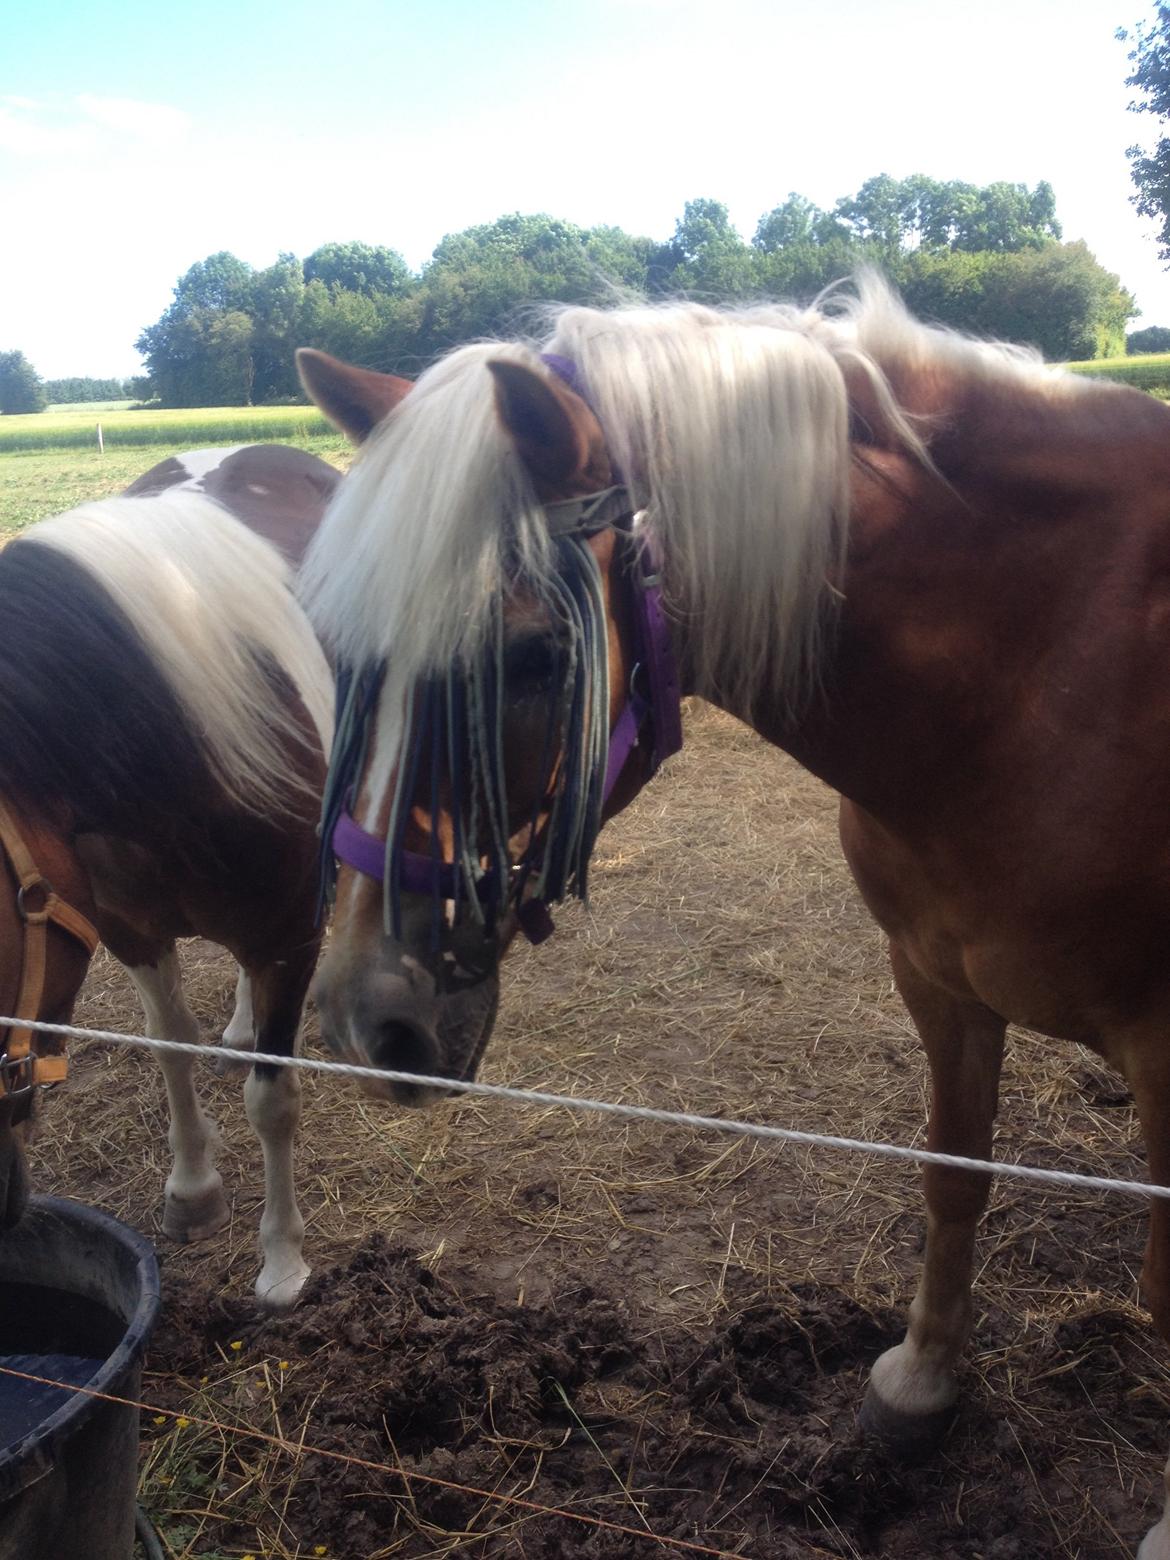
[(196, 1215), (909, 1405), (279, 1286), (1156, 1544)]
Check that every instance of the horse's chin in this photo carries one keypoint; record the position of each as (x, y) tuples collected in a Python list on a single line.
[(462, 1037)]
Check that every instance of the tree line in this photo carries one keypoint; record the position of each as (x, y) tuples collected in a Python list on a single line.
[(984, 259), (23, 390)]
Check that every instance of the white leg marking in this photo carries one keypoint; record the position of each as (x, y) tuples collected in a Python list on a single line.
[(917, 1376), (195, 1204), (1156, 1544), (274, 1109), (240, 1033)]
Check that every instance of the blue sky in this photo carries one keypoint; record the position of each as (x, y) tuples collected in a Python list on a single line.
[(136, 138)]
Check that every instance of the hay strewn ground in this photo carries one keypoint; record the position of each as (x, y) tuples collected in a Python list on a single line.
[(727, 967)]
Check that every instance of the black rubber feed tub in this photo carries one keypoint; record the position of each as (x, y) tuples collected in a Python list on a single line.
[(79, 1295)]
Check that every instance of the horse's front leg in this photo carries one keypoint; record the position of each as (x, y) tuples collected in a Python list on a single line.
[(272, 1097), (913, 1386)]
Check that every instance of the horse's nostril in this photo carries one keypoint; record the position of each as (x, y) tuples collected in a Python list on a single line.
[(402, 1048)]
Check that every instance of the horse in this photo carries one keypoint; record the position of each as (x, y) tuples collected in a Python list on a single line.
[(166, 712), (933, 569)]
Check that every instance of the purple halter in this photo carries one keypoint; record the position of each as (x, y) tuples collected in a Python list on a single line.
[(661, 704)]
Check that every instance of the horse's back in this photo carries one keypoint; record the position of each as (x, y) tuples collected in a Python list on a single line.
[(278, 492)]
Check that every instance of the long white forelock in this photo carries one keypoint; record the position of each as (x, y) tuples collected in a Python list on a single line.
[(429, 528), (204, 594)]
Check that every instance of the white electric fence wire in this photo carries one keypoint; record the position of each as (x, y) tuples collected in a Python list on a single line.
[(669, 1118)]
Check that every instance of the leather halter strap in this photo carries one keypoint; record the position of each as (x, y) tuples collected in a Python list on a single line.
[(37, 903)]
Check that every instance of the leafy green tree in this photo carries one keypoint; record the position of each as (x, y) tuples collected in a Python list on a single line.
[(1150, 79), (797, 221), (706, 256), (219, 282), (208, 360), (21, 389), (196, 353), (368, 269), (1056, 298), (274, 306), (1154, 338)]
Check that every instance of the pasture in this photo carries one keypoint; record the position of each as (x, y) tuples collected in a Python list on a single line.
[(50, 461), (647, 1326)]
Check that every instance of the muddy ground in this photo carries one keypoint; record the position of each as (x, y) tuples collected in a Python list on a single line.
[(653, 1328)]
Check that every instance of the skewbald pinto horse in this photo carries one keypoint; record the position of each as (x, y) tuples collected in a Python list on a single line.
[(165, 712), (933, 570)]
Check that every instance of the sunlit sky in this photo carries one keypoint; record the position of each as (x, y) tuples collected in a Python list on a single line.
[(137, 138)]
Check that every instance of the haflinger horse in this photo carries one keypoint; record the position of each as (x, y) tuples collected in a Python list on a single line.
[(933, 569), (165, 711)]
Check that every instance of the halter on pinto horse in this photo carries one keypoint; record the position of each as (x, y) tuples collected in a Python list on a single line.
[(165, 711), (935, 571)]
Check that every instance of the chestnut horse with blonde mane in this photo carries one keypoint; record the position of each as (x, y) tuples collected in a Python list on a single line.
[(933, 570)]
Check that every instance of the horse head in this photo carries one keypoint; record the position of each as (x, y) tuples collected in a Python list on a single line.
[(467, 795)]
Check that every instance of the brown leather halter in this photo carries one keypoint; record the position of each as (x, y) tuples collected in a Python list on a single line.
[(21, 1067)]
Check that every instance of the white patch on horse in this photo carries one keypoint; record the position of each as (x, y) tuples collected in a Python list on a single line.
[(273, 1103), (195, 1203), (199, 464)]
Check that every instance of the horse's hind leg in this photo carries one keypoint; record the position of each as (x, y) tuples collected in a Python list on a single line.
[(272, 1096), (913, 1387), (240, 1034), (195, 1203)]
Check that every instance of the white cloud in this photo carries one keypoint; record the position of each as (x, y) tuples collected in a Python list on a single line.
[(130, 116)]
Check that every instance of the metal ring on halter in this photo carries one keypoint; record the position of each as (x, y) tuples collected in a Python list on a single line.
[(34, 917)]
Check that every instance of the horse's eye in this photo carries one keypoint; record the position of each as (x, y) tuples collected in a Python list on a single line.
[(530, 664)]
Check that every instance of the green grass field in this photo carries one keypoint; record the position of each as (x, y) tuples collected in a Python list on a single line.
[(1145, 371), (50, 461), (194, 428)]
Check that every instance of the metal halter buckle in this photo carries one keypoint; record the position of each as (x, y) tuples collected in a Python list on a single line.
[(18, 1075)]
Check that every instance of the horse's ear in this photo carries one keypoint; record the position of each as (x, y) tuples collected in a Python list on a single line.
[(553, 429), (354, 399)]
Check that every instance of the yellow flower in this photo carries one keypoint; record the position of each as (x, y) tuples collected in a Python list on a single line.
[(182, 1423), (160, 1419), (319, 1549), (235, 1348), (282, 1364)]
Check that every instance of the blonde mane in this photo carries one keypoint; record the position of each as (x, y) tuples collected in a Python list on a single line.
[(214, 605), (731, 427)]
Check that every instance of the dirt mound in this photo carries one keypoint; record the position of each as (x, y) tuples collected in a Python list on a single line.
[(741, 1435)]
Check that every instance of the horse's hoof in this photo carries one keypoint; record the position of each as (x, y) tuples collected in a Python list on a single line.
[(187, 1219), (907, 1436), (1156, 1544), (283, 1292)]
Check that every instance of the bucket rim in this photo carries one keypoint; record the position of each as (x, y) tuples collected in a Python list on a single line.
[(24, 1461)]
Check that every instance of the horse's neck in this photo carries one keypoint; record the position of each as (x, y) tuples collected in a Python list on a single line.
[(963, 603)]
